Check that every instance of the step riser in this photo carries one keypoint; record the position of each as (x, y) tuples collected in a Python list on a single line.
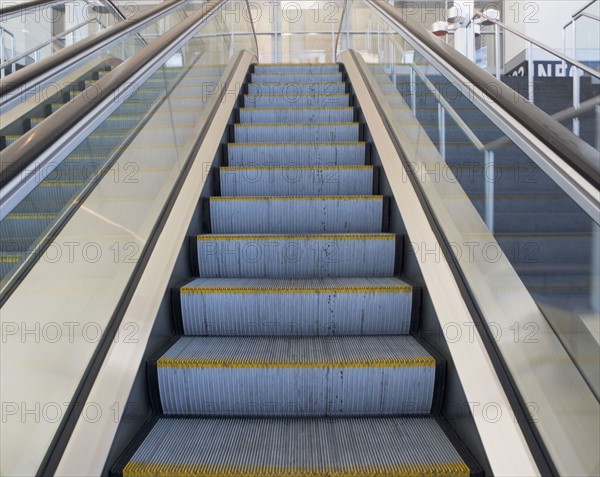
[(296, 392), (320, 312), (48, 199), (297, 133), (304, 447), (295, 182), (24, 227), (297, 258), (293, 90), (297, 101), (296, 216), (149, 137), (296, 155), (299, 69), (295, 115), (294, 78)]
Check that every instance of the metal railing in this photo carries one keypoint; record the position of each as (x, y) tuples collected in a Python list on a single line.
[(575, 152), (531, 42), (22, 8), (40, 71), (35, 51)]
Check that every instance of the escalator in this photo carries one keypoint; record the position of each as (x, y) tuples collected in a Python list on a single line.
[(295, 355), (12, 131), (244, 267)]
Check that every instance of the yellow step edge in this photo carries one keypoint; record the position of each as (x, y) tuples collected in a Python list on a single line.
[(31, 216), (301, 82), (314, 144), (307, 73), (10, 258), (296, 168), (270, 125), (442, 469), (294, 65), (50, 183), (179, 362), (332, 108), (317, 198), (381, 236), (296, 95), (316, 290)]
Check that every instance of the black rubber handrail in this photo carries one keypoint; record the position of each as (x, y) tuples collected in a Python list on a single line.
[(573, 150), (82, 48), (16, 157), (23, 7)]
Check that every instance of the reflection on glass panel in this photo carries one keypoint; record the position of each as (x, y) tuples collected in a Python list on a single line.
[(587, 39), (509, 225), (116, 184), (35, 33)]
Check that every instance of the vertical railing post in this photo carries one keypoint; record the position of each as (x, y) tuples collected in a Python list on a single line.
[(393, 61), (379, 55), (497, 48), (576, 98), (232, 40), (442, 130), (595, 259), (489, 176), (346, 23), (333, 42), (576, 84), (530, 73), (2, 51), (413, 91), (564, 48)]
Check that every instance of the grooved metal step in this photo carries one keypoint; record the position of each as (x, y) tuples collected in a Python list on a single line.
[(294, 89), (297, 77), (296, 115), (334, 214), (301, 376), (294, 100), (296, 68), (310, 306), (296, 256), (25, 224), (399, 446), (286, 133), (299, 154), (296, 181), (296, 312)]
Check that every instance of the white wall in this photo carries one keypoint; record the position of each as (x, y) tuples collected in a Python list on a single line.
[(540, 19)]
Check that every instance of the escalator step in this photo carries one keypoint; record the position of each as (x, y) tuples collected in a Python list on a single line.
[(25, 225), (333, 214), (286, 133), (296, 256), (296, 181), (377, 447), (298, 154), (296, 115), (295, 100), (296, 68), (294, 89), (299, 376), (315, 306), (297, 77)]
